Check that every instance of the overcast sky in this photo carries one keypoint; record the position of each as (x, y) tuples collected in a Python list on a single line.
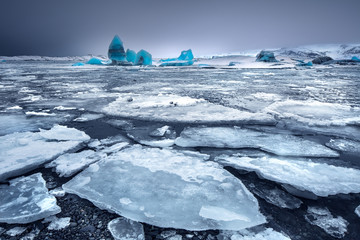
[(165, 27)]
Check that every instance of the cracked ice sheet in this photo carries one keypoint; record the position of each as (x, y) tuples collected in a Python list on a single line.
[(319, 178), (176, 108), (26, 199), (225, 137), (22, 152), (316, 113), (168, 188)]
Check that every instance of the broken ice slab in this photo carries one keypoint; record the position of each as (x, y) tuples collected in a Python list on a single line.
[(57, 223), (153, 136), (174, 108), (319, 178), (22, 152), (15, 231), (88, 117), (168, 188), (226, 137), (70, 163), (315, 113), (344, 145), (26, 200), (267, 234), (321, 217), (275, 196), (126, 229)]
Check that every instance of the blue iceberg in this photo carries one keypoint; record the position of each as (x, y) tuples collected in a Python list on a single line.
[(356, 59), (266, 56), (78, 64), (143, 58), (96, 61), (185, 59), (116, 50), (303, 64), (130, 56)]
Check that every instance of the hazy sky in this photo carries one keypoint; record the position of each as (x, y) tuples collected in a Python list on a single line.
[(165, 27)]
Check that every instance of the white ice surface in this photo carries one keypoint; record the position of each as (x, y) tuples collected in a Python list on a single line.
[(315, 113), (227, 137), (168, 188), (176, 108), (267, 234), (22, 152), (15, 231), (26, 200), (88, 117), (322, 217), (126, 229), (319, 178), (344, 145), (70, 163), (58, 223)]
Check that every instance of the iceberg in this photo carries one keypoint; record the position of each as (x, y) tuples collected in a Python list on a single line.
[(266, 56), (235, 137), (96, 61), (174, 108), (321, 60), (57, 223), (322, 217), (130, 56), (125, 229), (78, 64), (22, 152), (344, 145), (143, 58), (356, 59), (26, 200), (70, 163), (318, 178), (168, 188), (185, 59), (116, 50), (304, 64)]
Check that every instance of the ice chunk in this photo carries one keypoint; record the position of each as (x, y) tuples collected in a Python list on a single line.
[(32, 113), (88, 117), (176, 63), (96, 61), (158, 143), (321, 217), (267, 234), (160, 132), (130, 56), (168, 188), (58, 192), (63, 133), (78, 64), (319, 178), (304, 64), (266, 56), (68, 164), (26, 200), (225, 137), (316, 113), (186, 55), (126, 229), (174, 108), (275, 196), (185, 59), (344, 145), (357, 211), (57, 223), (160, 137), (356, 59), (15, 231), (116, 50), (22, 152), (143, 58)]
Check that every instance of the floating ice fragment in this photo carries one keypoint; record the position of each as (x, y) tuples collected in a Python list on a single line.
[(226, 137), (130, 56), (96, 61), (58, 223), (14, 108), (68, 164), (31, 113), (78, 64), (143, 58), (57, 192), (185, 59), (344, 145), (266, 56), (88, 117), (15, 231), (22, 152), (62, 108), (160, 132), (168, 188), (176, 108), (26, 200), (267, 234), (126, 229), (319, 178), (321, 217)]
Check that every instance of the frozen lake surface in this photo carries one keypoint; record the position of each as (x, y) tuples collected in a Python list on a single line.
[(228, 148)]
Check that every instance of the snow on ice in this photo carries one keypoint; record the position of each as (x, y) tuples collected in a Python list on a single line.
[(168, 188)]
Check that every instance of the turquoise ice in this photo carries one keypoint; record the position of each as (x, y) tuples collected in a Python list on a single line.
[(143, 58), (130, 56), (116, 50)]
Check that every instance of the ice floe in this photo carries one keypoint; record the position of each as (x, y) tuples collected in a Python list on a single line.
[(126, 229), (168, 188), (322, 217), (26, 199), (344, 145), (267, 234), (22, 152), (319, 178), (315, 113), (88, 117), (68, 164), (57, 223), (227, 137), (176, 108)]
